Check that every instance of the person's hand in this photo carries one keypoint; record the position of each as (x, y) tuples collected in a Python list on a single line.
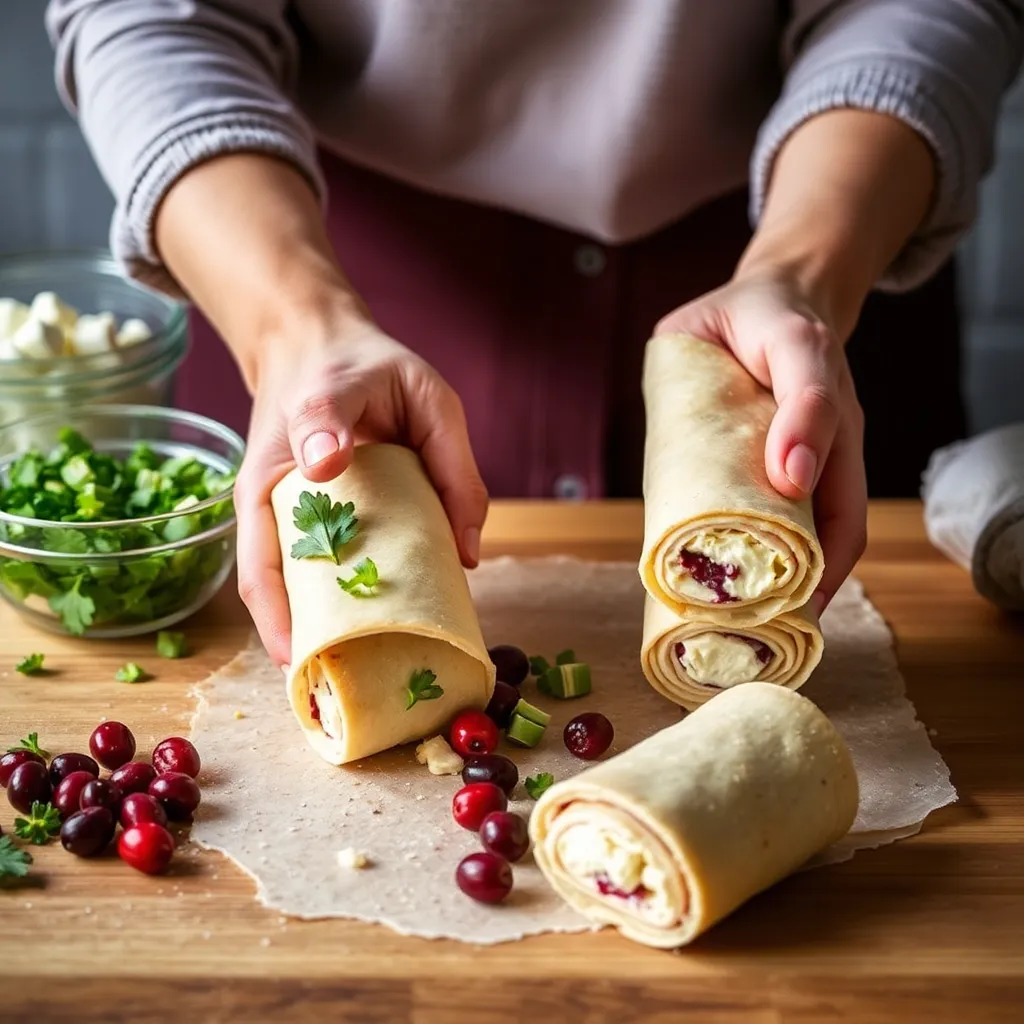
[(313, 402), (815, 443)]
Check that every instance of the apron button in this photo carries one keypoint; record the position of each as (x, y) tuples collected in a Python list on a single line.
[(589, 260)]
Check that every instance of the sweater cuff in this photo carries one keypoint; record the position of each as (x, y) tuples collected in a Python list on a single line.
[(886, 90), (168, 158)]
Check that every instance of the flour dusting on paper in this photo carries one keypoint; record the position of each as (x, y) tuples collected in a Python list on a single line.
[(284, 815)]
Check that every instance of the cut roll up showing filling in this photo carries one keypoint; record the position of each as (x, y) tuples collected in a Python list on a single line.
[(670, 836)]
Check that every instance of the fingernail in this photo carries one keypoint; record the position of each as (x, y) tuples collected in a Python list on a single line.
[(317, 447), (471, 542), (818, 602), (801, 467)]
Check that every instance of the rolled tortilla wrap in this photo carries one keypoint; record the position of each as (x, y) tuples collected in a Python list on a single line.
[(353, 657), (718, 537), (672, 835), (689, 660)]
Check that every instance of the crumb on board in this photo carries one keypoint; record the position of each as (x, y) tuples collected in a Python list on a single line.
[(352, 859), (239, 714)]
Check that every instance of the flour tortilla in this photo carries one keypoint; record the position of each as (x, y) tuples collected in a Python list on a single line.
[(707, 423), (367, 648), (727, 802), (794, 638)]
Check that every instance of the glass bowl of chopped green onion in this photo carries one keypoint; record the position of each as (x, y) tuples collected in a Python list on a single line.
[(115, 520)]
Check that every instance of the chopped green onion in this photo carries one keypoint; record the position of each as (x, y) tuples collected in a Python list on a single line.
[(523, 732), (531, 713)]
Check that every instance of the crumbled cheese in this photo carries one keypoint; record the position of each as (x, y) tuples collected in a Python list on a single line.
[(93, 334), (239, 714), (132, 332), (439, 758), (12, 315), (352, 859), (35, 339)]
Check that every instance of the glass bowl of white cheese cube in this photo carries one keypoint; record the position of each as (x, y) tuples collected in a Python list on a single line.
[(74, 331)]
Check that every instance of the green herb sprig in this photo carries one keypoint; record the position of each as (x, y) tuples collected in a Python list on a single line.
[(13, 862), (32, 665), (328, 528), (537, 784), (42, 824), (422, 687), (364, 579), (31, 744)]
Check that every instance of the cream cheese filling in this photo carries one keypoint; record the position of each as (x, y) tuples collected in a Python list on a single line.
[(322, 698), (749, 569), (716, 659)]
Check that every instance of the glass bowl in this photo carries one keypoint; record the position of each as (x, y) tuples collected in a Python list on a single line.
[(120, 577), (92, 282)]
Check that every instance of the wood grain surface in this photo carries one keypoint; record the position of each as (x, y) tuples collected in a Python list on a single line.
[(930, 929)]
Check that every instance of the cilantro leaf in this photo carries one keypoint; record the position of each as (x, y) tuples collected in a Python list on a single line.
[(13, 862), (422, 687), (130, 672), (75, 609), (31, 665), (42, 824), (365, 578), (31, 743), (170, 644), (535, 785), (327, 527)]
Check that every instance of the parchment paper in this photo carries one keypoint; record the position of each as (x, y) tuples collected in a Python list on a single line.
[(283, 814)]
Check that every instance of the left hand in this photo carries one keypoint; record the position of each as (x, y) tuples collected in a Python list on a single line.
[(815, 443)]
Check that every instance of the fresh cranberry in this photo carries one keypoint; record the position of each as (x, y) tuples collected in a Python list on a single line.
[(101, 793), (472, 733), (112, 744), (588, 735), (139, 807), (474, 802), (494, 768), (12, 760), (65, 764), (29, 784), (133, 777), (484, 877), (177, 793), (176, 755), (505, 834), (510, 663), (502, 702), (710, 574), (147, 847), (67, 796), (87, 833)]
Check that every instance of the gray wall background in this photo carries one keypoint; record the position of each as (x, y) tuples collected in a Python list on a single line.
[(51, 196)]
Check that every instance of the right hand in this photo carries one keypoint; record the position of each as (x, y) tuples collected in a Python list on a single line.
[(313, 402)]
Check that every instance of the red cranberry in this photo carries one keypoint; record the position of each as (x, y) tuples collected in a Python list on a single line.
[(474, 802), (606, 887), (484, 877), (505, 835), (139, 807), (176, 755), (147, 847), (101, 793), (68, 794), (87, 833), (588, 735), (133, 777), (112, 744), (177, 793), (494, 768), (29, 783), (64, 764), (710, 574), (472, 733), (502, 702), (12, 760), (511, 664)]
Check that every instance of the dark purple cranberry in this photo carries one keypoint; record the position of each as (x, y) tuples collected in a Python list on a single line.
[(503, 700), (505, 834), (112, 744), (67, 797), (101, 793), (484, 877), (87, 833), (494, 768), (12, 760), (710, 574), (133, 777), (29, 784), (176, 754), (588, 735), (64, 764), (177, 793), (511, 664), (140, 807)]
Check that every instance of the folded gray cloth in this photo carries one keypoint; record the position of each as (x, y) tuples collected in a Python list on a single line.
[(973, 494)]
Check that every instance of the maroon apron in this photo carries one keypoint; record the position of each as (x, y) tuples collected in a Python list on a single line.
[(541, 332)]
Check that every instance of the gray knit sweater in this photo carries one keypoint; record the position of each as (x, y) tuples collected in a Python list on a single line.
[(610, 117)]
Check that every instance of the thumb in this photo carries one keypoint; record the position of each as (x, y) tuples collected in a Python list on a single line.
[(804, 363), (321, 435)]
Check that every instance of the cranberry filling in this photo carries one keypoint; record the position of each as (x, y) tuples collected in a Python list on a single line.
[(314, 709), (606, 888), (710, 574)]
